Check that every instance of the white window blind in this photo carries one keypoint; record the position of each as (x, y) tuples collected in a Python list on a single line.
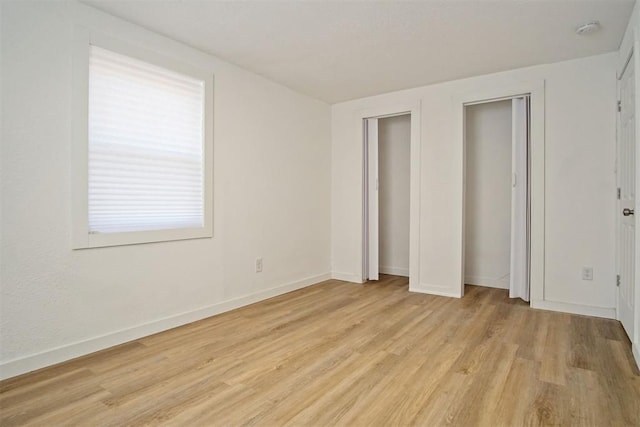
[(146, 146)]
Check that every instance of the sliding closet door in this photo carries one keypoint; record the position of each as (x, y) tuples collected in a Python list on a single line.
[(373, 204), (519, 281)]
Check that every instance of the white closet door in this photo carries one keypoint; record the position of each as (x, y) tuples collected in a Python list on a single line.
[(627, 201), (373, 205), (519, 278)]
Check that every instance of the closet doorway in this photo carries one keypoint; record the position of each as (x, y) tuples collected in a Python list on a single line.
[(386, 205), (497, 195)]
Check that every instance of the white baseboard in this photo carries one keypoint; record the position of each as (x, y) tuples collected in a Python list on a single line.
[(489, 282), (395, 271), (26, 364), (636, 354), (346, 277), (431, 290), (585, 310)]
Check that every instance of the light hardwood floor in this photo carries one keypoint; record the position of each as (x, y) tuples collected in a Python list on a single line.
[(345, 354)]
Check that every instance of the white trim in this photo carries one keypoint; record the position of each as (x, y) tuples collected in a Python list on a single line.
[(395, 271), (415, 109), (60, 354), (536, 89), (415, 195), (347, 277), (585, 310), (433, 290), (636, 354), (81, 238), (490, 100), (488, 282)]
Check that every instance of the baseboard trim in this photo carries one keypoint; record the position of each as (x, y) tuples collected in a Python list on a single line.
[(395, 271), (346, 277), (487, 282), (431, 291), (26, 364), (585, 310), (636, 354)]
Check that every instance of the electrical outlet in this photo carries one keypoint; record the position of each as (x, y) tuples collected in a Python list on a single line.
[(259, 265), (587, 273)]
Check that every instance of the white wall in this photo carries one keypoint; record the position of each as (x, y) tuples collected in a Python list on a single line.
[(579, 180), (487, 259), (271, 199), (394, 144)]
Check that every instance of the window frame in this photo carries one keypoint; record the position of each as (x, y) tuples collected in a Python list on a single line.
[(81, 237)]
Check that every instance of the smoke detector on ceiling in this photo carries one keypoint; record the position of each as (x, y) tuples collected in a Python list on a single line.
[(588, 28)]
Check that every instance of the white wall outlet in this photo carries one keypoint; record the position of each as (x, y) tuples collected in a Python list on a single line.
[(587, 273), (259, 265)]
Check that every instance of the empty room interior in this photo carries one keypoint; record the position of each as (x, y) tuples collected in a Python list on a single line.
[(220, 213)]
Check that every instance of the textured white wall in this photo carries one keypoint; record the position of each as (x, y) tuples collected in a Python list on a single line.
[(579, 179), (488, 194), (271, 199), (394, 144)]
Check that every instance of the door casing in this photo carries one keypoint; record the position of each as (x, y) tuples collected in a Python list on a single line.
[(535, 90), (414, 109)]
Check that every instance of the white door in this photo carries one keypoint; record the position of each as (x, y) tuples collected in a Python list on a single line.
[(371, 145), (519, 271), (626, 203)]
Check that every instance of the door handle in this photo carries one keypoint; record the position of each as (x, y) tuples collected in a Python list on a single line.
[(627, 211)]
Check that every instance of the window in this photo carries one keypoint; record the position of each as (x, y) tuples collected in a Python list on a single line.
[(145, 141)]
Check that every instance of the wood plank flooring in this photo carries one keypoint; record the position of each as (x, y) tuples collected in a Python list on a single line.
[(345, 354)]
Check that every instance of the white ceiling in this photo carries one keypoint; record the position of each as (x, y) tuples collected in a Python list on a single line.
[(336, 51)]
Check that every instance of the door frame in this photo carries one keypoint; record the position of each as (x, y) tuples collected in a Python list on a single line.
[(536, 91), (511, 163), (414, 110)]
